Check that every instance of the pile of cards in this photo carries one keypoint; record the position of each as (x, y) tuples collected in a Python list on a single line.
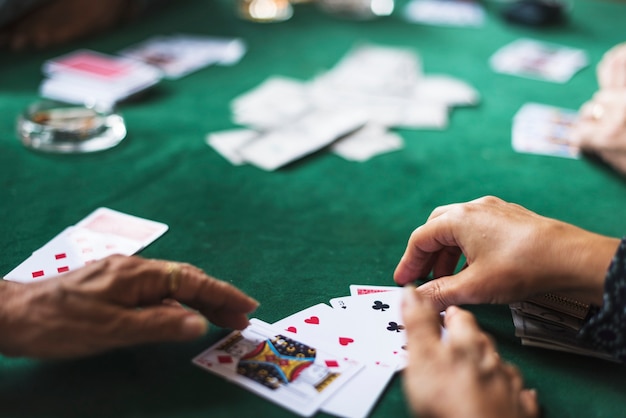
[(539, 60), (93, 78), (553, 322), (102, 233), (343, 355), (543, 129), (445, 13), (351, 107)]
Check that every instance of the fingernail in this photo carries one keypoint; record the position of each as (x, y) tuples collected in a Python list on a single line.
[(194, 326)]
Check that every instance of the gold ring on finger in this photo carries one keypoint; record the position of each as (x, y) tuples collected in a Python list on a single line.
[(173, 277)]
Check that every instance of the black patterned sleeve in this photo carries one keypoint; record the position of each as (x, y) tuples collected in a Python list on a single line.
[(606, 329)]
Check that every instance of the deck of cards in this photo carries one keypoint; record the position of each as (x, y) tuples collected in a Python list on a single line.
[(92, 78), (349, 349), (349, 109), (102, 233), (553, 322)]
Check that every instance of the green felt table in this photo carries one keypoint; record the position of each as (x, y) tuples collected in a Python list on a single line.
[(299, 236)]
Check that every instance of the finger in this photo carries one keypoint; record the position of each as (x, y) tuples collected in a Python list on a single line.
[(191, 286), (440, 210), (529, 403), (458, 289), (424, 243), (446, 261), (422, 322), (158, 324), (140, 282), (463, 329)]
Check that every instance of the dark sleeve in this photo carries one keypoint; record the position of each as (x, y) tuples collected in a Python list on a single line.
[(605, 330)]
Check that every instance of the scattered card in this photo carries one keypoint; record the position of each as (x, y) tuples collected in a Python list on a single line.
[(384, 84), (293, 141)]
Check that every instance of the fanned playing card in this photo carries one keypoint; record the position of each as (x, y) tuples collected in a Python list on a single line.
[(278, 367), (380, 314), (322, 323)]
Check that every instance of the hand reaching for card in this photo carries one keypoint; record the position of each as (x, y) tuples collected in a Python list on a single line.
[(512, 254), (115, 302), (464, 375)]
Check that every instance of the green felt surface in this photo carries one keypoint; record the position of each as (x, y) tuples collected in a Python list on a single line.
[(299, 236)]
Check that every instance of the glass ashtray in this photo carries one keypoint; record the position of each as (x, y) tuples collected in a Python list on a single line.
[(64, 128)]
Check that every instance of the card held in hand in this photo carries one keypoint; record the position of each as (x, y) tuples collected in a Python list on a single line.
[(297, 376)]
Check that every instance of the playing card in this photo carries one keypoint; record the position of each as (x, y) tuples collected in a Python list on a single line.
[(138, 230), (275, 102), (293, 141), (179, 55), (290, 373), (367, 142), (445, 13), (103, 233), (363, 289), (321, 323), (227, 143), (441, 88), (546, 130), (381, 315), (540, 60)]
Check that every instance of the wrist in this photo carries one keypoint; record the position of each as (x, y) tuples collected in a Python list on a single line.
[(589, 256)]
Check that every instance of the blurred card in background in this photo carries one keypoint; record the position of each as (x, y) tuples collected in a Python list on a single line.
[(179, 55), (89, 77), (384, 85), (445, 12), (546, 130), (539, 60)]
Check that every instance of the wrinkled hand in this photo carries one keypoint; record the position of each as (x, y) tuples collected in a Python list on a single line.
[(115, 302), (601, 128), (611, 70), (511, 252), (463, 375)]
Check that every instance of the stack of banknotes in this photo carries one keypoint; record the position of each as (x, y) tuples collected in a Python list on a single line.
[(552, 321)]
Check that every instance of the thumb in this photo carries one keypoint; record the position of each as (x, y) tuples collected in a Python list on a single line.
[(162, 323), (445, 291)]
